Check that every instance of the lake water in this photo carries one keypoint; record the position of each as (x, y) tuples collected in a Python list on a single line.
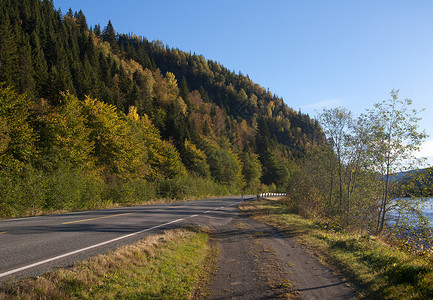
[(426, 207)]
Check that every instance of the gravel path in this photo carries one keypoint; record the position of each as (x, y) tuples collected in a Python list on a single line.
[(258, 262)]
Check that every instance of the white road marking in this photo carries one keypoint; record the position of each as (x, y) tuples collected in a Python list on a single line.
[(84, 249), (98, 245)]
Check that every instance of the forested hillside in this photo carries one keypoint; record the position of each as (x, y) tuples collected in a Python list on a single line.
[(416, 182), (89, 116)]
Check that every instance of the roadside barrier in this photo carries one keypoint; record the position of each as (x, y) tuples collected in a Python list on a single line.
[(263, 195)]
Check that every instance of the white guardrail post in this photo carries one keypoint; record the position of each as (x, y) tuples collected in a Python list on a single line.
[(263, 195)]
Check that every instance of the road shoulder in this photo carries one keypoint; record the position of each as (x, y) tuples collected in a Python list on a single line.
[(257, 261)]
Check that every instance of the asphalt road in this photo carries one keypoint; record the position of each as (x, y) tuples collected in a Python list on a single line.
[(29, 246)]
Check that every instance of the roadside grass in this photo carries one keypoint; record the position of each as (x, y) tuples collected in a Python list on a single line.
[(378, 269), (172, 265)]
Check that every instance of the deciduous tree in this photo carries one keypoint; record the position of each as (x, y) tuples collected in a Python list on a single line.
[(394, 136)]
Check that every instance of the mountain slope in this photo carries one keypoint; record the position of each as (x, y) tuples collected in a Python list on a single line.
[(118, 108)]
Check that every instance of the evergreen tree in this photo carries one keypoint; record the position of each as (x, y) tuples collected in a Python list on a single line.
[(70, 13), (26, 82), (97, 30), (184, 92), (251, 169), (44, 54), (81, 20), (109, 35), (195, 160), (39, 66), (8, 52)]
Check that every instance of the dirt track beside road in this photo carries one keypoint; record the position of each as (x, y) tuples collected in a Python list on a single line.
[(258, 262)]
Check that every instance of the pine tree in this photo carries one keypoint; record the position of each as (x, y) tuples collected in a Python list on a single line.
[(39, 65), (70, 13), (184, 92), (97, 30), (81, 19), (8, 52), (109, 35), (26, 82)]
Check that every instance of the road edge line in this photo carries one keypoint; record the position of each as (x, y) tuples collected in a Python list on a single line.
[(85, 249)]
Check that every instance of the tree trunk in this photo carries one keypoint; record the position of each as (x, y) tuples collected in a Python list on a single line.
[(349, 192), (340, 175), (331, 191), (385, 202)]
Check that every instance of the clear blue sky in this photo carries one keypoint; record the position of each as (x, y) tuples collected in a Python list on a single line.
[(311, 53)]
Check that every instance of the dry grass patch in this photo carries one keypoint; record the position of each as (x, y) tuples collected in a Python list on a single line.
[(172, 265)]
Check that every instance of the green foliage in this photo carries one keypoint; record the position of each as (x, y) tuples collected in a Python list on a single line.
[(32, 191), (71, 189), (225, 166), (8, 51), (109, 35), (109, 106), (22, 192), (349, 180), (195, 160), (163, 158), (275, 169), (393, 137), (126, 70), (110, 133), (416, 184), (135, 191), (63, 135), (17, 137), (4, 136), (181, 187), (337, 125), (251, 169)]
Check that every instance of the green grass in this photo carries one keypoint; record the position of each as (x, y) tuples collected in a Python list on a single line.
[(379, 270), (172, 265)]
